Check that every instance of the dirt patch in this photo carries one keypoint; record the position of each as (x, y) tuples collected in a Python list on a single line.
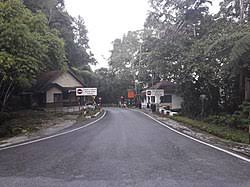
[(49, 123)]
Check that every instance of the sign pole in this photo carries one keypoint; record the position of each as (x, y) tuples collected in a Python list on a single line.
[(249, 134), (79, 103)]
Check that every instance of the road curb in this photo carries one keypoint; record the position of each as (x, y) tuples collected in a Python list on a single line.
[(35, 140)]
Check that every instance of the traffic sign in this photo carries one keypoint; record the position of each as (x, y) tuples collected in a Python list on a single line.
[(86, 91), (90, 91), (79, 92)]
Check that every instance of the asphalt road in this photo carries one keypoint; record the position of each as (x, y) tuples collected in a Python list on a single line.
[(125, 148)]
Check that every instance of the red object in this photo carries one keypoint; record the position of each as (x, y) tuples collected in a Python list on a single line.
[(131, 94)]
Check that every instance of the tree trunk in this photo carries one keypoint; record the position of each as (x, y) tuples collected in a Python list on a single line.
[(247, 89), (6, 95), (242, 11), (242, 85)]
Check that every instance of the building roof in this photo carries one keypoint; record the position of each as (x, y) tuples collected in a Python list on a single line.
[(167, 86), (46, 79)]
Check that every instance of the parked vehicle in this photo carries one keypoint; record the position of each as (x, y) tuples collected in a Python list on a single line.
[(167, 111)]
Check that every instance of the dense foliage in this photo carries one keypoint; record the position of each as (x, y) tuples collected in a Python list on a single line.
[(38, 36), (184, 43)]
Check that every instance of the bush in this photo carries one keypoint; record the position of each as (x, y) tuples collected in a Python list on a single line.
[(217, 120), (4, 116), (235, 121)]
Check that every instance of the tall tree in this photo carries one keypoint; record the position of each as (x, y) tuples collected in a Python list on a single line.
[(28, 46), (72, 30)]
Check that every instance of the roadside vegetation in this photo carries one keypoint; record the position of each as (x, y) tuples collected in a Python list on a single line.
[(233, 127), (220, 130), (37, 36)]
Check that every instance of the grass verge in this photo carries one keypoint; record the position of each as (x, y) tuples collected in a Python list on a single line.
[(217, 130)]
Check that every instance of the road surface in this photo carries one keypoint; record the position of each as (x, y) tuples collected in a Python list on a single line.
[(125, 148)]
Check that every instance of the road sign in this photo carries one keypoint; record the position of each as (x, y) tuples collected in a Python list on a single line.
[(79, 92), (155, 92), (148, 93), (89, 91), (86, 91)]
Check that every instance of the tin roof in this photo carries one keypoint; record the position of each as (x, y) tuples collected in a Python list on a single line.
[(45, 80)]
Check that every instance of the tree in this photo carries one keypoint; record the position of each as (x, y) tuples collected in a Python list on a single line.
[(236, 10), (28, 46), (72, 30), (125, 52), (178, 51), (49, 7)]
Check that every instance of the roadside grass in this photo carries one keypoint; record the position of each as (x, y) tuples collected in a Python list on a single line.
[(25, 122), (221, 131)]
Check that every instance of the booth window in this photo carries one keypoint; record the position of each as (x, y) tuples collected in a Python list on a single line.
[(166, 99)]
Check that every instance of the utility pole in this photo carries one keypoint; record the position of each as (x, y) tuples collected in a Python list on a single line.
[(241, 11)]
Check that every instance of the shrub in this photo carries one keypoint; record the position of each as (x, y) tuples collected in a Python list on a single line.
[(217, 120), (4, 116)]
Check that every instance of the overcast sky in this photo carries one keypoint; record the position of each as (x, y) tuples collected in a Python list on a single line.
[(110, 19)]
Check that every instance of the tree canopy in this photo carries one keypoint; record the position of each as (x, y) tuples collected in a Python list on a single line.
[(38, 36), (203, 53)]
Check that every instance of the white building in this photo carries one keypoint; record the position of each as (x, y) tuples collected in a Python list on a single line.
[(163, 94)]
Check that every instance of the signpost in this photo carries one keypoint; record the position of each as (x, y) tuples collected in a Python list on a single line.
[(86, 92)]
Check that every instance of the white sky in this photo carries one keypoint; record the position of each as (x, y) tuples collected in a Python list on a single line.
[(110, 19)]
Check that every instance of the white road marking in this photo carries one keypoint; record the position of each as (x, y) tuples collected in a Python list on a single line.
[(204, 143), (53, 136)]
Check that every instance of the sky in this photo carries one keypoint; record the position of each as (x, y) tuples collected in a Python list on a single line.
[(110, 19)]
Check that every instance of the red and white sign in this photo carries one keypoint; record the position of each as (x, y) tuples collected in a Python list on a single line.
[(86, 91), (155, 92), (79, 92)]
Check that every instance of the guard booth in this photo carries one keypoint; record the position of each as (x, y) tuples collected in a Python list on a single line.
[(153, 98)]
